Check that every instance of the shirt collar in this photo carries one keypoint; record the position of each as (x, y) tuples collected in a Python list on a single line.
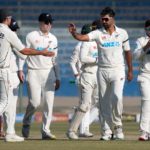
[(41, 33), (116, 30), (4, 25)]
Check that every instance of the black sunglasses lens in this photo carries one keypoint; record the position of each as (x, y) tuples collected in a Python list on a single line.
[(147, 29), (105, 19)]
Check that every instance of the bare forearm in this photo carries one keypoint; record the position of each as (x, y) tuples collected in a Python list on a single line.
[(80, 37), (29, 51), (128, 57), (129, 63)]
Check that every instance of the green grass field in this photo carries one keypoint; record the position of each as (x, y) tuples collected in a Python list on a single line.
[(62, 143)]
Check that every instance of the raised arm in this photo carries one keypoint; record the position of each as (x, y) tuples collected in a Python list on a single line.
[(77, 36)]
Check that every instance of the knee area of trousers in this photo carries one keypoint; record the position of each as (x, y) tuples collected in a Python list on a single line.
[(117, 97), (35, 105), (83, 108)]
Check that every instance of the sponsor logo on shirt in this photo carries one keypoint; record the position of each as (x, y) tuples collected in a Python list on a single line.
[(42, 48), (110, 44)]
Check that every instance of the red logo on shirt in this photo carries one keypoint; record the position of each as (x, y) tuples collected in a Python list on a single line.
[(103, 37), (94, 47), (36, 41)]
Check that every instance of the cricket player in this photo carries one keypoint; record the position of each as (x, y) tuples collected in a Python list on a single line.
[(9, 40), (87, 54), (142, 54), (10, 112), (43, 76), (113, 44)]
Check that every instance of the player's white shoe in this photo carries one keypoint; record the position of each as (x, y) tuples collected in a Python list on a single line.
[(144, 136), (118, 135), (13, 138), (72, 135), (107, 135), (86, 134)]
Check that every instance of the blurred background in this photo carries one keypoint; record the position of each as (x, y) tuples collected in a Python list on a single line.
[(130, 14)]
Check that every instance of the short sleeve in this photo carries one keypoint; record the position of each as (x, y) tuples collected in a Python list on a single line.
[(15, 41), (126, 44), (93, 36)]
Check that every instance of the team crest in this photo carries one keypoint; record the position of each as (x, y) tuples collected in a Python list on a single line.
[(116, 36)]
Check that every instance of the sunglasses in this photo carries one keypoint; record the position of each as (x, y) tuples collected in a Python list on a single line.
[(105, 19), (147, 29)]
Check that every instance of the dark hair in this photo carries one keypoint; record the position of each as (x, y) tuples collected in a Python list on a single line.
[(4, 13), (147, 23), (108, 11)]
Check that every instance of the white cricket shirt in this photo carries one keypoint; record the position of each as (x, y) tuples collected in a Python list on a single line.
[(110, 47), (39, 41), (88, 57), (74, 61), (8, 39), (139, 54)]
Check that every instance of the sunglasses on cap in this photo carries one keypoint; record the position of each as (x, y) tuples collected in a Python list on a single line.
[(147, 28), (105, 19)]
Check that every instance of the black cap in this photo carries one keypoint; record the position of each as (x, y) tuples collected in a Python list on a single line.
[(96, 24), (4, 13), (46, 18), (13, 25), (86, 29)]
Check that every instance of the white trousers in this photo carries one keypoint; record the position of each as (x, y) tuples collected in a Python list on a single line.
[(94, 114), (10, 112), (144, 80), (111, 84), (90, 116), (41, 87), (89, 97), (4, 89)]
